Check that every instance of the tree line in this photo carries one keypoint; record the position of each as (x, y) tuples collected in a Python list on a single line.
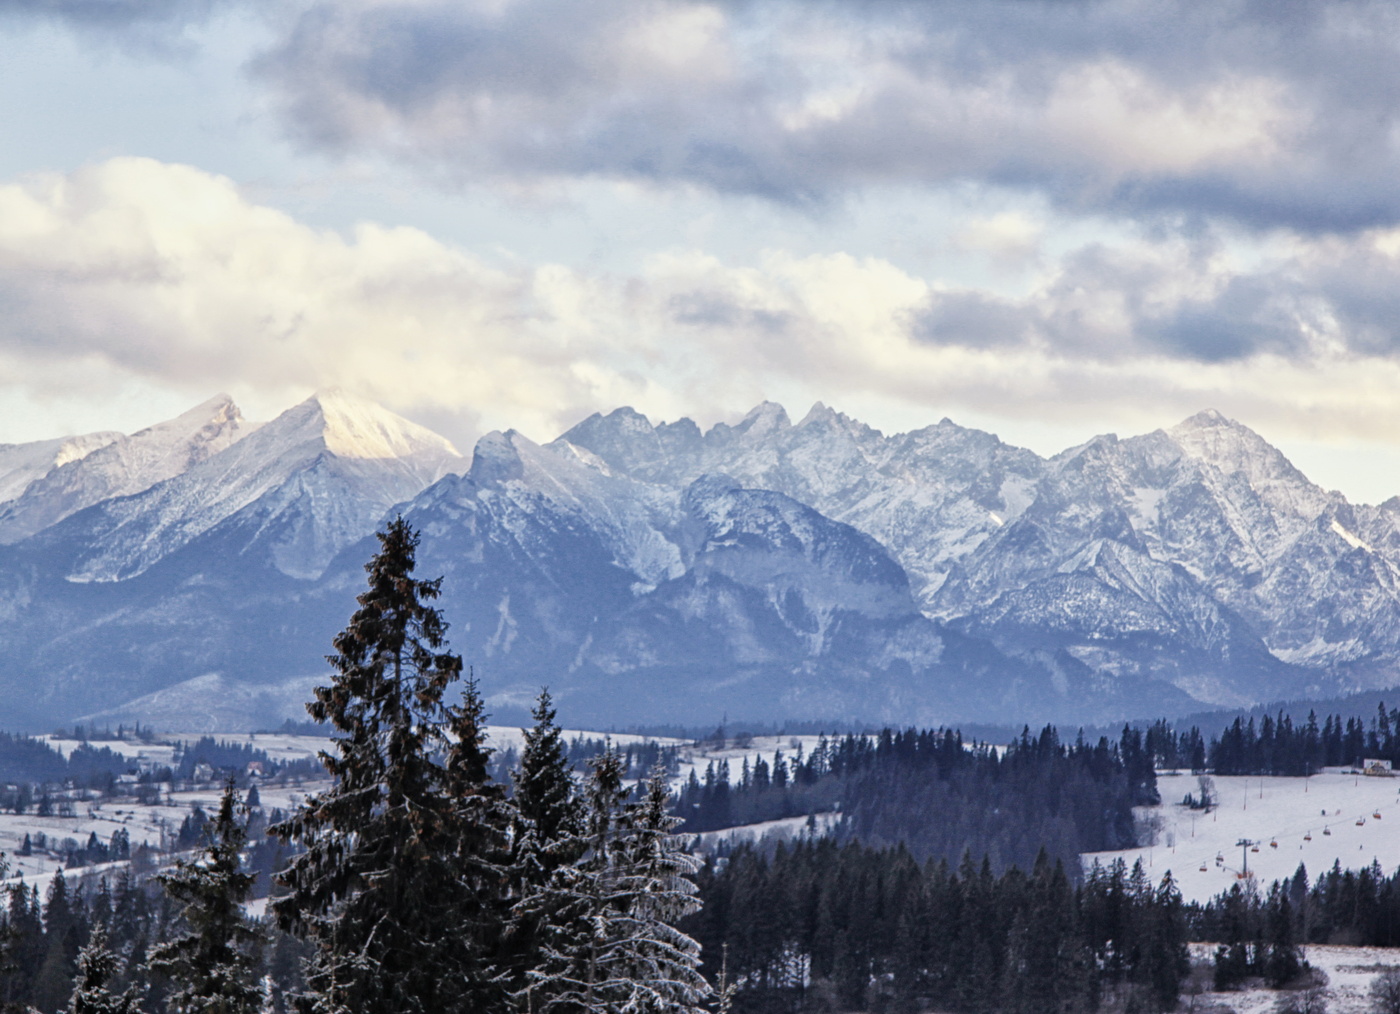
[(941, 797), (823, 926), (1358, 908), (1278, 746)]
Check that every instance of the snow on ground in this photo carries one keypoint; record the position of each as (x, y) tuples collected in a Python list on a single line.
[(697, 757), (1349, 970), (154, 825), (505, 737), (1335, 809), (155, 753), (785, 829)]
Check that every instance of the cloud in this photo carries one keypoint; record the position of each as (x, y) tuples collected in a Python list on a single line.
[(138, 21), (135, 272), (1267, 113)]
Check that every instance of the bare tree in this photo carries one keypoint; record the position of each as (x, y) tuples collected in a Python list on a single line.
[(1385, 992)]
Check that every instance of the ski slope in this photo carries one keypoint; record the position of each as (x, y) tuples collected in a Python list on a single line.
[(1327, 818)]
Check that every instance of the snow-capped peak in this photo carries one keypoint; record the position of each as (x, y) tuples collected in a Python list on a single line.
[(1234, 448), (357, 428), (125, 466), (763, 419)]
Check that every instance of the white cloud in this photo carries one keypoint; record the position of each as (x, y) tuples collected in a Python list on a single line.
[(137, 275)]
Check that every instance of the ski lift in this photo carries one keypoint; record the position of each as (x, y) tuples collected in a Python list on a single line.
[(1377, 815), (1203, 867), (1308, 836), (1327, 830), (1360, 821), (1255, 849), (1273, 844)]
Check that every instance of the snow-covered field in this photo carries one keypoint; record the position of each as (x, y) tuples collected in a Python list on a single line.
[(1317, 821), (155, 825), (1349, 970)]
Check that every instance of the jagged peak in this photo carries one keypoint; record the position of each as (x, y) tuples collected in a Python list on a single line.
[(625, 422), (217, 414), (355, 427), (765, 417), (1094, 445), (496, 458), (1206, 418), (1211, 436)]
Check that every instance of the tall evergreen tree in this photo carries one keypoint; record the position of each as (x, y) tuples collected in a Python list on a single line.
[(97, 967), (546, 837), (381, 887), (544, 785), (54, 982), (1282, 959), (214, 963), (610, 945), (478, 838), (658, 889), (1165, 958)]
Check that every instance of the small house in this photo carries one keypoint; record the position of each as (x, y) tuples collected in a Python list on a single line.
[(1376, 768)]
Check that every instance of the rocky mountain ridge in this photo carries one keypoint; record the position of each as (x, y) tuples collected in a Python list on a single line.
[(768, 569)]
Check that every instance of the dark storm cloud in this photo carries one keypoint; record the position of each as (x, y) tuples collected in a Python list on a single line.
[(1268, 113)]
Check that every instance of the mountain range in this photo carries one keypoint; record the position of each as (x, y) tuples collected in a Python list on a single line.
[(193, 573)]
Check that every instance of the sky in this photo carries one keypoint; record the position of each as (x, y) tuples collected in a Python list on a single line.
[(1045, 218)]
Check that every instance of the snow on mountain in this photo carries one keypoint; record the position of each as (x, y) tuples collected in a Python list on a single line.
[(816, 569), (929, 497), (21, 464), (310, 482), (123, 466)]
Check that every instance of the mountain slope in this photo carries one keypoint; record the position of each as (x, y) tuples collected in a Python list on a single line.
[(124, 466), (22, 464), (314, 479), (816, 570)]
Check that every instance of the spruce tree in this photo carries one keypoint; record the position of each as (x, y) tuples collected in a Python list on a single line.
[(54, 982), (213, 964), (1282, 959), (545, 837), (1164, 959), (610, 945), (382, 888), (481, 819), (659, 889), (97, 967), (544, 785)]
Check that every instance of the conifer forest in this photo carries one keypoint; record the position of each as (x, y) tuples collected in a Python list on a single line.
[(435, 875)]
